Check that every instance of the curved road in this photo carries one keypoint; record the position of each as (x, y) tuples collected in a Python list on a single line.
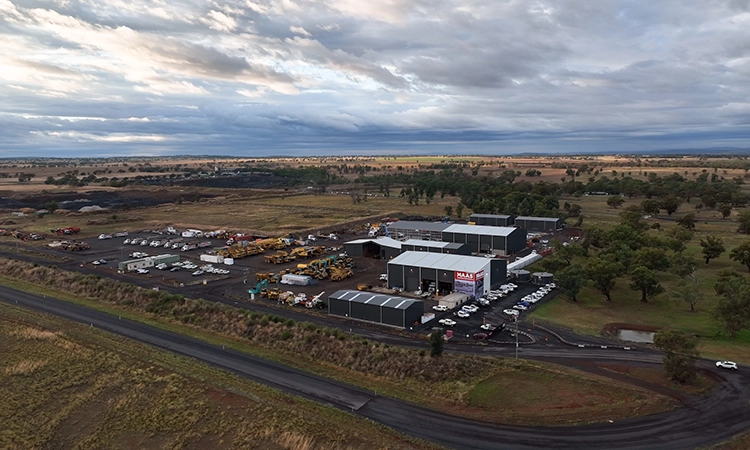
[(701, 422)]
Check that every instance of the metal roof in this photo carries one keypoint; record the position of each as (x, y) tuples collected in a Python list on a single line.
[(541, 219), (370, 298), (423, 243), (491, 216), (442, 261), (418, 226), (431, 244), (480, 229), (384, 241)]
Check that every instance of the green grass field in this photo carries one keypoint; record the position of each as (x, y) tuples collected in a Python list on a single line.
[(592, 312)]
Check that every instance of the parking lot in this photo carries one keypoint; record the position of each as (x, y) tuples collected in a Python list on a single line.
[(493, 314)]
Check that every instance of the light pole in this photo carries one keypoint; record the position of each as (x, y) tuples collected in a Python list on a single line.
[(515, 319)]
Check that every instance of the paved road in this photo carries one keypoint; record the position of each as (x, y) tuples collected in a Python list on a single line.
[(702, 422)]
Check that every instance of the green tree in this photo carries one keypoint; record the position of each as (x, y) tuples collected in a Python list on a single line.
[(741, 254), (574, 210), (615, 201), (725, 209), (603, 273), (652, 258), (687, 221), (682, 264), (632, 216), (644, 280), (460, 210), (448, 210), (680, 353), (436, 343), (744, 219), (678, 238), (670, 204), (713, 247), (687, 291), (733, 308), (651, 206), (51, 206), (568, 252), (571, 280)]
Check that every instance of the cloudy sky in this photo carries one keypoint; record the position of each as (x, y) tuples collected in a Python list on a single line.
[(314, 77)]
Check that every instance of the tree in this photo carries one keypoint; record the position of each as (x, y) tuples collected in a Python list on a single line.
[(574, 210), (571, 280), (725, 209), (644, 280), (680, 354), (651, 206), (733, 308), (460, 210), (744, 219), (670, 204), (568, 252), (741, 254), (51, 206), (603, 273), (436, 344), (713, 247), (632, 216), (678, 238), (651, 257), (687, 221), (615, 201), (687, 291), (448, 210), (682, 264)]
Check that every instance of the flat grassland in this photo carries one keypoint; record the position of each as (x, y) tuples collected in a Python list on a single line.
[(85, 388)]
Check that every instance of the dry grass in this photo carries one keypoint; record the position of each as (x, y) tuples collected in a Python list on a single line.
[(114, 393)]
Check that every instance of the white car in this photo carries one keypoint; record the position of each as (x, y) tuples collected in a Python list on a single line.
[(730, 365), (96, 263), (487, 327), (511, 312), (197, 273), (383, 277), (520, 307), (105, 236), (142, 271), (447, 322), (463, 314), (441, 308), (469, 308)]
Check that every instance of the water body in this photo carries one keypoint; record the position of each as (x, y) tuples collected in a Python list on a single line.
[(636, 336)]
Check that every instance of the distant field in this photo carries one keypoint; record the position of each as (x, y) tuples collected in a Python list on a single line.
[(84, 388)]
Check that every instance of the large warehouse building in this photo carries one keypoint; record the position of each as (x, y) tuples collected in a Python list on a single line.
[(487, 239), (379, 308), (540, 223), (480, 239), (470, 275), (493, 220), (382, 247)]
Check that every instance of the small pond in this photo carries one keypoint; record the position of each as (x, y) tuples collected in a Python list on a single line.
[(635, 335)]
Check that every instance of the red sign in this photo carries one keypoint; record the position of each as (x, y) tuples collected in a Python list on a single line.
[(479, 275), (465, 276)]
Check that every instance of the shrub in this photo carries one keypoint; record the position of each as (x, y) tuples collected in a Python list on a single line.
[(286, 335)]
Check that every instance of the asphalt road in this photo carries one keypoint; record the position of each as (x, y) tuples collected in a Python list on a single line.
[(702, 421)]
